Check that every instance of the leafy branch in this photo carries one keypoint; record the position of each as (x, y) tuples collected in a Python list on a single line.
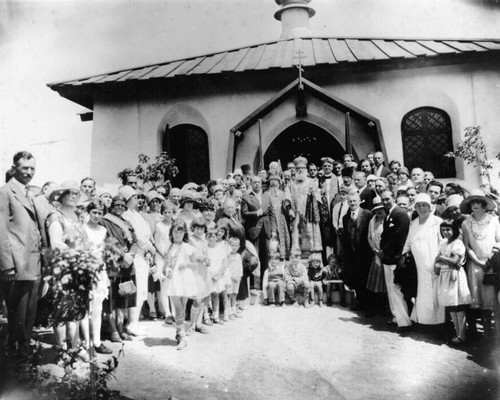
[(473, 151), (156, 172)]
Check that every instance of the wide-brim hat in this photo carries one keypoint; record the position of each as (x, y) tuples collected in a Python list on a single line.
[(64, 187), (238, 171), (476, 195), (127, 192), (153, 194), (377, 203), (246, 168), (326, 160), (187, 196)]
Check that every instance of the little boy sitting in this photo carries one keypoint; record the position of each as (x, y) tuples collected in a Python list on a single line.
[(297, 282), (273, 281), (317, 274), (333, 272)]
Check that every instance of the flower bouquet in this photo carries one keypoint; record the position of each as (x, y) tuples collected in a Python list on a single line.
[(113, 256), (71, 274)]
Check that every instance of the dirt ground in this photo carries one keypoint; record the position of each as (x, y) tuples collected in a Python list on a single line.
[(296, 353)]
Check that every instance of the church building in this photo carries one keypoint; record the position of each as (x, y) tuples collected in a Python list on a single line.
[(298, 95)]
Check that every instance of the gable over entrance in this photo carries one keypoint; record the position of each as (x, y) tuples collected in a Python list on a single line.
[(302, 111)]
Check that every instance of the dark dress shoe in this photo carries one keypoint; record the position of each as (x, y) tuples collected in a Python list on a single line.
[(103, 349)]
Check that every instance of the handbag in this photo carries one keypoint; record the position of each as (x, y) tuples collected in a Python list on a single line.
[(490, 279), (126, 288), (493, 265)]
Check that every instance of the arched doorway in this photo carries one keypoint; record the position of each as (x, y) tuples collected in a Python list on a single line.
[(303, 139), (188, 144)]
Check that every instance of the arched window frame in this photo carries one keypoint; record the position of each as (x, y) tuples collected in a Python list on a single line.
[(427, 134)]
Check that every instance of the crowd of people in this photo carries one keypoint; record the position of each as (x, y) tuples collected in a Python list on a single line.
[(192, 256)]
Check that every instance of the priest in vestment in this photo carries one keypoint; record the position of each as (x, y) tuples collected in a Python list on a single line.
[(306, 235)]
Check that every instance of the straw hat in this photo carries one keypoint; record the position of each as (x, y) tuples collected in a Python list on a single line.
[(64, 187), (476, 195)]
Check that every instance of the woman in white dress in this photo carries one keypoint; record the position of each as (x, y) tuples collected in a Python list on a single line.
[(481, 236), (423, 241)]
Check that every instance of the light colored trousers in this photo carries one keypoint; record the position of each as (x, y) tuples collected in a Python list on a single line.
[(397, 302)]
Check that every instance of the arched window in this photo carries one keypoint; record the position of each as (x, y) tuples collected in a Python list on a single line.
[(427, 136), (188, 144)]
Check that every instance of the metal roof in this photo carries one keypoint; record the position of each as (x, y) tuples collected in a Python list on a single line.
[(283, 54)]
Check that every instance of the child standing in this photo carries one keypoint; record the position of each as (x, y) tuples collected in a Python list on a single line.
[(234, 271), (297, 282), (317, 275), (273, 282), (217, 252), (201, 275), (162, 243), (453, 290)]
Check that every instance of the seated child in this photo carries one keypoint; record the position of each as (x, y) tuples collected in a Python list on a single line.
[(234, 271), (273, 282), (297, 282), (333, 274), (317, 274)]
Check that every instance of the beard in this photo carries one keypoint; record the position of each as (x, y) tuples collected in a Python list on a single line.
[(300, 177)]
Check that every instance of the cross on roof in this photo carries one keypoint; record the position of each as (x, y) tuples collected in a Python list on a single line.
[(300, 57)]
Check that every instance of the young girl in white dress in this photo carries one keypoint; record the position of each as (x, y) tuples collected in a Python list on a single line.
[(217, 252), (96, 235), (204, 280), (161, 239), (182, 262), (452, 288)]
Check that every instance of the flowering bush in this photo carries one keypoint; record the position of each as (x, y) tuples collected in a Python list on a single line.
[(70, 275)]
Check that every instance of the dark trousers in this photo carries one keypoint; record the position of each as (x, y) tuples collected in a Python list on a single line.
[(261, 244), (21, 301)]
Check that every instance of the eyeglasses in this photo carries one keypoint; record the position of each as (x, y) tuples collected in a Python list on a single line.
[(74, 193), (211, 235), (179, 229)]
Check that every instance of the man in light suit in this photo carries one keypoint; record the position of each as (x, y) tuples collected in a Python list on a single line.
[(260, 222), (20, 261), (396, 227), (357, 253)]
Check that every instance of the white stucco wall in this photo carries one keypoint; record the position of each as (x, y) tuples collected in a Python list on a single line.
[(468, 93)]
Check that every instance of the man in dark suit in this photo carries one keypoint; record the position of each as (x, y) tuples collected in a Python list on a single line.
[(365, 193), (260, 222), (357, 254), (20, 246), (396, 227), (379, 169)]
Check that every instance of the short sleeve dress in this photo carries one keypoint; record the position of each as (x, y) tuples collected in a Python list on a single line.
[(452, 283)]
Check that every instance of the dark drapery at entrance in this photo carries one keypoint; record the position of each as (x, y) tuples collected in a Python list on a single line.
[(303, 139)]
